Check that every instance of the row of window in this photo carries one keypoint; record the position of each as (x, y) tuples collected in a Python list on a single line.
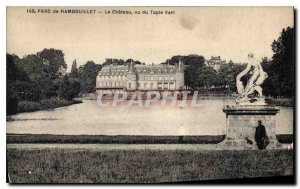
[(112, 84), (152, 72), (159, 77), (145, 77), (139, 71), (113, 77), (142, 85), (159, 85)]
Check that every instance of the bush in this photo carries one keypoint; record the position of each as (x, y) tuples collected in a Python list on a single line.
[(29, 106), (11, 102), (50, 103), (288, 139), (286, 102)]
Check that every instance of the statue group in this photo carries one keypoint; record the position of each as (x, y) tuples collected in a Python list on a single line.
[(251, 94)]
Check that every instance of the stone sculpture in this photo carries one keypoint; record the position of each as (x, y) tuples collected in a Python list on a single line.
[(247, 94)]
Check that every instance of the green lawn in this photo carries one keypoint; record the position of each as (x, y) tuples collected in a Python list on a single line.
[(113, 139), (143, 166)]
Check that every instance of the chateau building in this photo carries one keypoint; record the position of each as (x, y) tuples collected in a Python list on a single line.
[(141, 77), (215, 62)]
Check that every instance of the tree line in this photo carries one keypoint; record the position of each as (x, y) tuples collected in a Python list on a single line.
[(40, 76), (280, 69)]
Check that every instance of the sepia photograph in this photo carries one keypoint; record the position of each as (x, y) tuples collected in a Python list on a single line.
[(144, 95)]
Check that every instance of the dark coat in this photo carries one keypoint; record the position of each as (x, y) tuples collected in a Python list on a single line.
[(261, 138), (260, 134)]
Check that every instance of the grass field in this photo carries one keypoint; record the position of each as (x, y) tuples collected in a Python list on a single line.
[(112, 139), (142, 166), (124, 139)]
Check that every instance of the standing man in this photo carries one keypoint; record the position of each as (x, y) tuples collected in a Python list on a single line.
[(260, 136)]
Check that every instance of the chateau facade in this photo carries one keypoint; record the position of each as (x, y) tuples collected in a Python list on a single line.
[(141, 77), (215, 62)]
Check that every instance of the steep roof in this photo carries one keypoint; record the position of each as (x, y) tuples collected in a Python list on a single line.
[(140, 69)]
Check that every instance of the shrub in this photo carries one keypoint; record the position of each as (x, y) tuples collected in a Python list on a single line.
[(49, 103)]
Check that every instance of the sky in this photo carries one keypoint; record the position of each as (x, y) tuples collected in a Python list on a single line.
[(229, 32)]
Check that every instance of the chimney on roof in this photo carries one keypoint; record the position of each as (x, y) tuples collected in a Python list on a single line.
[(180, 65)]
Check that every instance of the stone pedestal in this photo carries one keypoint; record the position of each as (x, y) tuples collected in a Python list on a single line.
[(241, 123)]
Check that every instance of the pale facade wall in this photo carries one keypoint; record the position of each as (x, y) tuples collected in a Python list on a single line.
[(180, 80), (143, 77)]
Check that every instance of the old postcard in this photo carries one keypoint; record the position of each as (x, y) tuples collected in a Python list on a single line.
[(150, 94)]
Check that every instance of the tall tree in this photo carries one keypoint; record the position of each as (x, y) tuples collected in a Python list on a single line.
[(207, 77), (193, 70), (74, 70), (88, 74), (226, 77), (11, 77), (64, 90), (283, 63), (54, 61), (39, 74)]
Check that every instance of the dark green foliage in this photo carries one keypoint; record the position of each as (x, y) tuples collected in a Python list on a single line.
[(286, 102), (27, 90), (281, 68), (110, 61), (14, 71), (44, 104), (74, 70), (193, 71), (13, 74), (53, 60), (226, 77), (285, 138), (87, 75), (283, 64), (11, 101), (36, 78), (74, 87), (186, 60), (199, 76), (196, 73), (64, 89), (207, 77), (43, 70), (68, 88)]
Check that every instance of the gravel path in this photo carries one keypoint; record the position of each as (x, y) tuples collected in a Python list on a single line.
[(125, 146)]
